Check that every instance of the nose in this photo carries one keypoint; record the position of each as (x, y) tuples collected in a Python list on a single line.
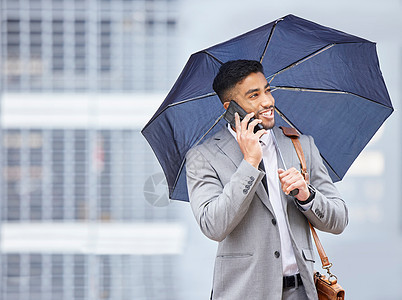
[(267, 100)]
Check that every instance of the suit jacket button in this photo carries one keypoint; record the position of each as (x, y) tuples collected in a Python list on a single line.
[(277, 254), (252, 178), (273, 222), (247, 186), (245, 191), (250, 182)]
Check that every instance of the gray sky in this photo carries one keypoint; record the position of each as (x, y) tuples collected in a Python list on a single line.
[(208, 22)]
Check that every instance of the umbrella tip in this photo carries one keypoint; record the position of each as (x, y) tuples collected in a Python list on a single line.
[(280, 19)]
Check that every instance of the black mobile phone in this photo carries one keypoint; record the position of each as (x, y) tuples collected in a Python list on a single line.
[(229, 115)]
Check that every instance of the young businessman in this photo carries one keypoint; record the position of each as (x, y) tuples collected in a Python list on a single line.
[(240, 196)]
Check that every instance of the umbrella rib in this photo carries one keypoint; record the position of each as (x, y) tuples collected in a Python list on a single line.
[(293, 126), (265, 49), (286, 119), (216, 122), (190, 99), (201, 138), (184, 101), (269, 39), (319, 51), (213, 56), (298, 89), (179, 102)]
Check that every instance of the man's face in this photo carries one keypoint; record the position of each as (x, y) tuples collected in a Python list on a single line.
[(254, 95)]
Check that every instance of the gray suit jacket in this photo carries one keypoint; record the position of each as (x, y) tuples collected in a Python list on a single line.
[(232, 207)]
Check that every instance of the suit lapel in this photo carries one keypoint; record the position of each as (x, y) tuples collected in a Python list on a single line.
[(226, 142)]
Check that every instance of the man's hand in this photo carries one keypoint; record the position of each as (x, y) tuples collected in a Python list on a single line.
[(292, 179), (248, 140)]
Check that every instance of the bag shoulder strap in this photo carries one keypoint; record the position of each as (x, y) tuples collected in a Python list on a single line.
[(294, 136)]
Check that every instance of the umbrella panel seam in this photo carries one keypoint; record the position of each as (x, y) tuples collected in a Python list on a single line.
[(300, 61), (300, 89)]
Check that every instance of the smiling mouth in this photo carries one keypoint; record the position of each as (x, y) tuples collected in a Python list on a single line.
[(267, 113)]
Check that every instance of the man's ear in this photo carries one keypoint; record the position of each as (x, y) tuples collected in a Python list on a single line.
[(226, 104)]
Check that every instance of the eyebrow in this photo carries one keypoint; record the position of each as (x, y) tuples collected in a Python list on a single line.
[(256, 90)]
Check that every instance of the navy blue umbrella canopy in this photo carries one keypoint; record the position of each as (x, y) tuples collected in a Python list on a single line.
[(326, 83)]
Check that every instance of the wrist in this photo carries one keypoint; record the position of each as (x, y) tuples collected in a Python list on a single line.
[(311, 197), (253, 162)]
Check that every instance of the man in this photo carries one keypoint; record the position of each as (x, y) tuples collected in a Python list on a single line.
[(265, 249)]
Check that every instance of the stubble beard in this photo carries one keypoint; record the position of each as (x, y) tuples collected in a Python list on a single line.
[(268, 126)]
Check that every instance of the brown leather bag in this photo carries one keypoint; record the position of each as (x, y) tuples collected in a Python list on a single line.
[(328, 288)]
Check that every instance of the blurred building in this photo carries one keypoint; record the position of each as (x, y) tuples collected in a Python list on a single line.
[(75, 221), (92, 45)]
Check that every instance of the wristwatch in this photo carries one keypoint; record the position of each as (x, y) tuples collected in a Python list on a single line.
[(312, 191)]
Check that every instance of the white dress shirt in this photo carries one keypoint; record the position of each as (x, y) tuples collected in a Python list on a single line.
[(269, 156)]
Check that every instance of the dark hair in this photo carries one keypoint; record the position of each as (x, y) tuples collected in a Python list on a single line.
[(231, 73)]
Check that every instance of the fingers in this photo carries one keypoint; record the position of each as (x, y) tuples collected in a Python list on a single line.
[(246, 120), (290, 172), (260, 133), (237, 122), (247, 140), (291, 179), (245, 128), (245, 124), (280, 171), (252, 125)]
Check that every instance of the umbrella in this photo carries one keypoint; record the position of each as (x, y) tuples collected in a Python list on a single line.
[(326, 83)]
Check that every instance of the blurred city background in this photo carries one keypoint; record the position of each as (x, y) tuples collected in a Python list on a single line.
[(81, 191)]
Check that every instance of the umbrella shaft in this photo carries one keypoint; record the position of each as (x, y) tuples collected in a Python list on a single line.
[(295, 191), (278, 149)]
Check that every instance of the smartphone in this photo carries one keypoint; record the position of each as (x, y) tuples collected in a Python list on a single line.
[(229, 115)]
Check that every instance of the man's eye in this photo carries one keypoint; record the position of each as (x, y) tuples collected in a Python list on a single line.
[(253, 95)]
